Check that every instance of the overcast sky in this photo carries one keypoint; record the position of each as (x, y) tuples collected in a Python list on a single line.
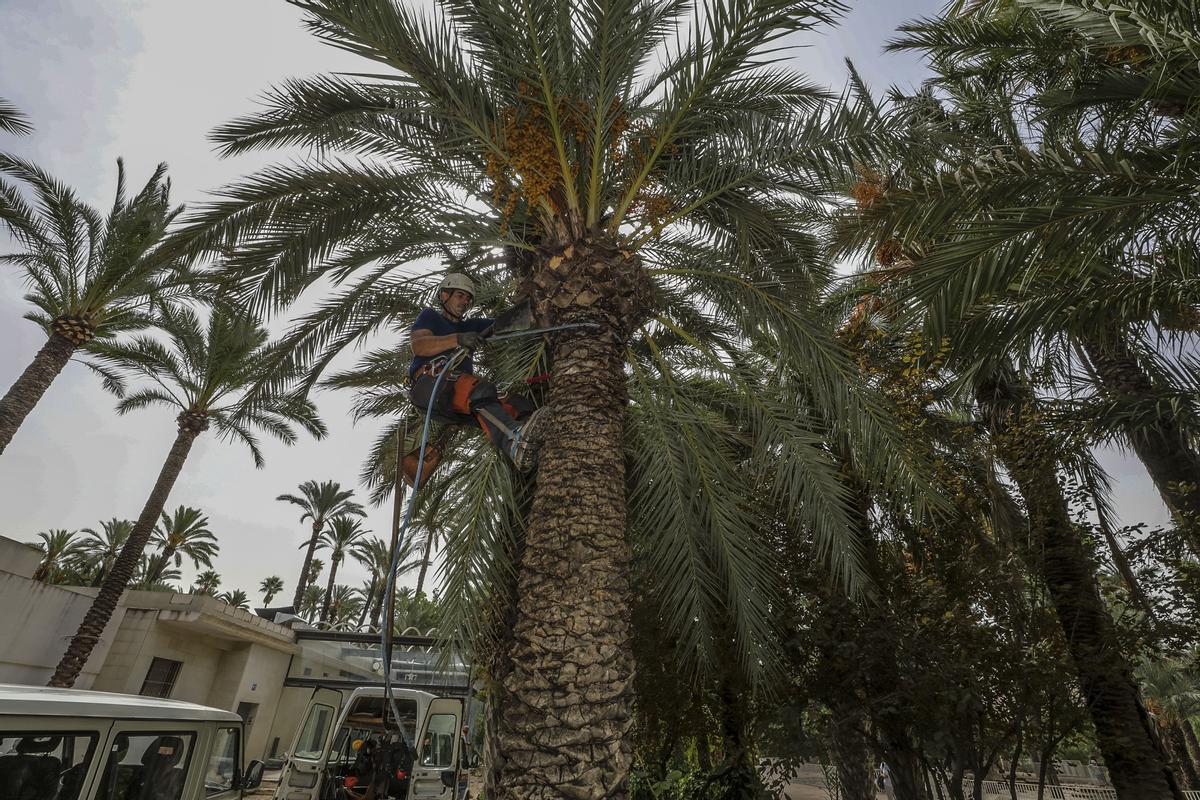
[(147, 80)]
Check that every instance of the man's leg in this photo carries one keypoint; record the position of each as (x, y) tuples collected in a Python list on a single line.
[(479, 398)]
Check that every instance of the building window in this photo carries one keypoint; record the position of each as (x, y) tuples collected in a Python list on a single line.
[(160, 678)]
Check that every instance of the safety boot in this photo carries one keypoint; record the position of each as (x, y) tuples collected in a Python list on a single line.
[(523, 447)]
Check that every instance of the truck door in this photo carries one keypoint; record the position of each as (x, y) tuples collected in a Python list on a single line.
[(438, 745), (301, 777)]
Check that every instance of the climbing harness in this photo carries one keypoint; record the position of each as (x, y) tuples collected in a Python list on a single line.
[(448, 366)]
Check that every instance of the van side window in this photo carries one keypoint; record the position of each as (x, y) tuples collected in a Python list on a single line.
[(224, 763), (146, 766), (37, 766)]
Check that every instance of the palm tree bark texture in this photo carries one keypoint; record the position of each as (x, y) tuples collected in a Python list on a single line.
[(32, 384), (1125, 732), (568, 698), (101, 611), (1161, 445)]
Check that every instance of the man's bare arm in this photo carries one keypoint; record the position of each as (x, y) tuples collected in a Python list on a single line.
[(424, 343)]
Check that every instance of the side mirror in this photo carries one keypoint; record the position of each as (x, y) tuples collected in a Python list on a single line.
[(449, 778), (253, 775)]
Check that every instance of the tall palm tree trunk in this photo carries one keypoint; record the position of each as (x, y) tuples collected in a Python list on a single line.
[(1124, 731), (101, 611), (1160, 445), (377, 605), (368, 601), (851, 750), (424, 563), (1189, 738), (568, 699), (28, 389), (1181, 759), (302, 581), (333, 568)]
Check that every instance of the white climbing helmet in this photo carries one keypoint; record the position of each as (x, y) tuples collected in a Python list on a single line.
[(456, 280)]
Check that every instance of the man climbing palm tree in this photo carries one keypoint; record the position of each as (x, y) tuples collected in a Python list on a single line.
[(437, 334)]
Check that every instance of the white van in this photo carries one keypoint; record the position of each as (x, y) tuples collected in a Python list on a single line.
[(350, 738), (68, 744)]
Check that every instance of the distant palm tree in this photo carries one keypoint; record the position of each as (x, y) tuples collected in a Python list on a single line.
[(89, 277), (374, 554), (153, 572), (59, 549), (13, 121), (100, 550), (217, 374), (237, 598), (311, 602), (341, 536), (314, 571), (270, 587), (343, 608), (321, 502), (1172, 690), (206, 582), (185, 533)]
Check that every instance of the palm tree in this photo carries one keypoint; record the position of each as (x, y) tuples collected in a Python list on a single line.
[(666, 201), (154, 572), (100, 550), (13, 121), (270, 586), (342, 608), (237, 598), (185, 533), (341, 535), (376, 556), (206, 582), (1004, 220), (1173, 694), (90, 277), (212, 376), (1076, 125), (314, 571), (311, 602), (60, 549), (321, 502)]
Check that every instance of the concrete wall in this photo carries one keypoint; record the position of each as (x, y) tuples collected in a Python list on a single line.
[(37, 621)]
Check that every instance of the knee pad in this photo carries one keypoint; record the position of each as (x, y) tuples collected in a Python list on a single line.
[(482, 392)]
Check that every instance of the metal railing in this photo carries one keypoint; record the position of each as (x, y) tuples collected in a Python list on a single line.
[(999, 790)]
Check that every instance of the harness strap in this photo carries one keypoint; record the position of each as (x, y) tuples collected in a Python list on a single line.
[(490, 417)]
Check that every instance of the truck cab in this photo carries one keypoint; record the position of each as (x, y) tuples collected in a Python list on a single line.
[(69, 744), (350, 739)]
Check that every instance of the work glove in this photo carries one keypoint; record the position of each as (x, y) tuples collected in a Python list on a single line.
[(472, 340)]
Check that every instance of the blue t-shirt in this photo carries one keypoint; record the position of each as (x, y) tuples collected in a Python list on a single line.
[(439, 325)]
